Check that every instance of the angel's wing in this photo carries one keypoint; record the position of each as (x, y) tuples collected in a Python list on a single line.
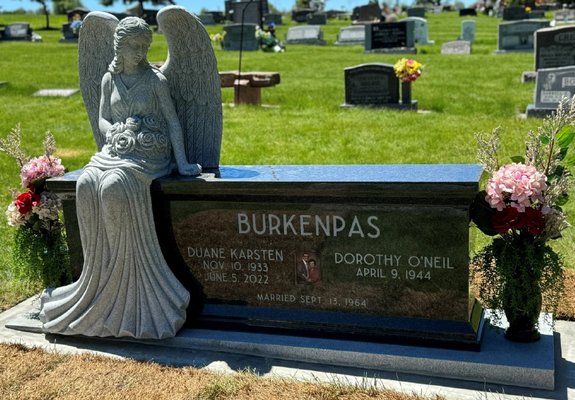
[(95, 52), (192, 72)]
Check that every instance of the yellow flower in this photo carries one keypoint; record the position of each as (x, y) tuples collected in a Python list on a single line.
[(407, 70)]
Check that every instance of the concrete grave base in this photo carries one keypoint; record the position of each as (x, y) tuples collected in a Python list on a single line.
[(499, 362), (394, 106), (528, 76), (55, 92), (534, 112), (393, 50)]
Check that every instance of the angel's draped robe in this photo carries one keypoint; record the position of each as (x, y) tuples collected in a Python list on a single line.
[(126, 287)]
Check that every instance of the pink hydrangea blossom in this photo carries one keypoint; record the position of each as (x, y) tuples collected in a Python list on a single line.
[(516, 185), (40, 168)]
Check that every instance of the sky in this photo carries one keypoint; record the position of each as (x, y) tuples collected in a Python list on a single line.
[(193, 5)]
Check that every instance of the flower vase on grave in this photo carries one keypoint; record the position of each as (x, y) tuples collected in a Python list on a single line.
[(406, 92)]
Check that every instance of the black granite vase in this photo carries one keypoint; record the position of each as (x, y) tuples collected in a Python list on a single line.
[(406, 92), (522, 306)]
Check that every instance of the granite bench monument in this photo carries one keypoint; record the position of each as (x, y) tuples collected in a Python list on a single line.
[(365, 253)]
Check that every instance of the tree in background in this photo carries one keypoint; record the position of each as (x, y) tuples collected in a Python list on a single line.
[(108, 3), (45, 11), (60, 7)]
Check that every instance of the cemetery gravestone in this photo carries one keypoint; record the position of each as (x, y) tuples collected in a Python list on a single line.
[(420, 30), (555, 47), (551, 86), (368, 13), (416, 12), (17, 31), (468, 12), (390, 37), (301, 15), (252, 11), (276, 19), (518, 35), (389, 263), (373, 85), (537, 14), (468, 31), (456, 47), (564, 16), (238, 35), (207, 19), (514, 13), (310, 34), (317, 19), (351, 35)]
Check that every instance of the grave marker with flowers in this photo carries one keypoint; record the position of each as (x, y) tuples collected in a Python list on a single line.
[(522, 208), (40, 250)]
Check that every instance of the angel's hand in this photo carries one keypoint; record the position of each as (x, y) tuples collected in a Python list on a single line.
[(189, 169)]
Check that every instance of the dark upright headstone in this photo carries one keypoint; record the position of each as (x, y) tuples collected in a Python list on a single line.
[(309, 34), (253, 12), (416, 12), (514, 13), (368, 13), (390, 37), (234, 36), (468, 12), (17, 31), (301, 15), (555, 47), (551, 86), (276, 19), (374, 85), (207, 19), (518, 35), (317, 19)]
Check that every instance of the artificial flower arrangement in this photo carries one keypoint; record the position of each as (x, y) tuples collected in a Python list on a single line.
[(407, 70), (218, 38), (39, 245), (522, 207), (268, 42)]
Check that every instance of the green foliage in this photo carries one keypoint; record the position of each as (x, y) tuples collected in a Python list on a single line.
[(41, 257), (62, 6), (515, 272)]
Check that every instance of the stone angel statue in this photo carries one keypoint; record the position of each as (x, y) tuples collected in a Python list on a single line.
[(145, 120)]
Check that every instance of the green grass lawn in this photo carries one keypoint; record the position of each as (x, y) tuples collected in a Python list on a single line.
[(304, 123)]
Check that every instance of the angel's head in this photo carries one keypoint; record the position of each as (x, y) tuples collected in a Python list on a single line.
[(132, 40)]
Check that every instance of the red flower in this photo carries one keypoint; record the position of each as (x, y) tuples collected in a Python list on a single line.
[(505, 219), (25, 201), (532, 220), (509, 218)]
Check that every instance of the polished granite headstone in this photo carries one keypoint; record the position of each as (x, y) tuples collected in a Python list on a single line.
[(468, 29), (238, 35), (518, 35), (351, 35), (420, 30), (555, 47), (551, 86), (390, 37), (373, 252), (309, 34)]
